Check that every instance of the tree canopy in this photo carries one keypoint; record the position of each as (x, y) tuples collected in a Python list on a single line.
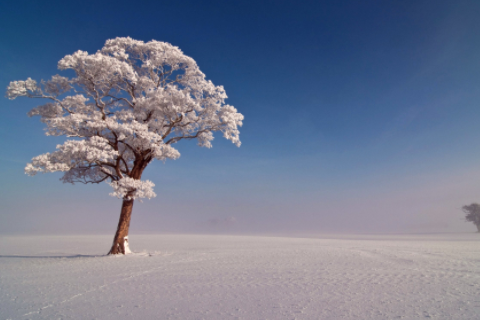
[(129, 103), (473, 214)]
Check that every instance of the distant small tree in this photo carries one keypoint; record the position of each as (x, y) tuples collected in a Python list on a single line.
[(130, 103), (473, 214)]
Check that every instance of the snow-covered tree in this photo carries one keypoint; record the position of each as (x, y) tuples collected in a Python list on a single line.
[(473, 214), (129, 103)]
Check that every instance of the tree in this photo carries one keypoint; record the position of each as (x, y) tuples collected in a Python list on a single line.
[(473, 214), (130, 103)]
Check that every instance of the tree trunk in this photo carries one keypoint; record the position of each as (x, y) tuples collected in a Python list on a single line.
[(120, 241)]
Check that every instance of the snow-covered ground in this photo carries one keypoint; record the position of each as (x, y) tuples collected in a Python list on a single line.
[(234, 277)]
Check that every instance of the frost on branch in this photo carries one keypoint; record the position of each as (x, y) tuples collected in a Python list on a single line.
[(54, 87), (128, 188), (72, 154), (127, 105), (164, 152), (21, 88)]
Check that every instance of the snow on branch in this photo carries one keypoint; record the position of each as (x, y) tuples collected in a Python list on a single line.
[(21, 88), (129, 188), (71, 154)]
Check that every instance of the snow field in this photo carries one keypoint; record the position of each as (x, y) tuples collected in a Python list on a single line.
[(241, 277)]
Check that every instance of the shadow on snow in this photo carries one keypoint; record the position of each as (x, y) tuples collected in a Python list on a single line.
[(53, 257)]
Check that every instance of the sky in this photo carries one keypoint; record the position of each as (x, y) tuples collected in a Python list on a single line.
[(360, 117)]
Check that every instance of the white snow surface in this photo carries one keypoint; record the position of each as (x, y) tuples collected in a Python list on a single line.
[(241, 277)]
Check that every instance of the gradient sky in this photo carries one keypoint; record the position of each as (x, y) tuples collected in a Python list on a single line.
[(360, 116)]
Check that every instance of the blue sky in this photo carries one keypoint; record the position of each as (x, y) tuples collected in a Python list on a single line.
[(360, 116)]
